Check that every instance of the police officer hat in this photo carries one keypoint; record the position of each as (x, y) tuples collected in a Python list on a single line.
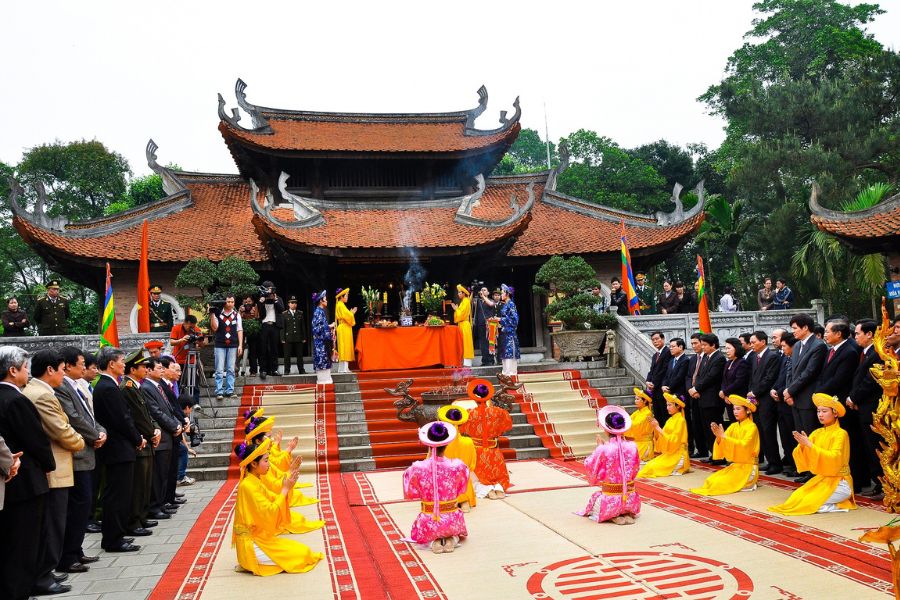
[(54, 283), (135, 359), (155, 289), (292, 299)]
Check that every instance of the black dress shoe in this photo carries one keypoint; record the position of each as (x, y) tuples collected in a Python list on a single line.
[(124, 547), (170, 511), (804, 478), (60, 577), (88, 559), (75, 568), (127, 540), (764, 467), (262, 375), (93, 528), (148, 524), (789, 473), (56, 588), (177, 501), (140, 532), (179, 495), (160, 515), (718, 463), (774, 470)]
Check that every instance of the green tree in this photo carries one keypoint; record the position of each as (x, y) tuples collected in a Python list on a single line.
[(724, 228), (672, 162), (82, 178), (602, 172), (526, 155)]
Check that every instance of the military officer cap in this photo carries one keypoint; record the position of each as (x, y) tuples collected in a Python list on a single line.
[(497, 291), (292, 299), (135, 359), (155, 289), (54, 283)]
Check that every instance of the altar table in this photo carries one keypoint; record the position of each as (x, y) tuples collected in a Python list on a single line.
[(379, 348)]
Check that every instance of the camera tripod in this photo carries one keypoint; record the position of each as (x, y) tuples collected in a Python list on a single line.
[(193, 376)]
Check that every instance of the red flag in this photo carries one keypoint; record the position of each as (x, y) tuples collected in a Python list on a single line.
[(702, 299), (143, 284), (109, 331)]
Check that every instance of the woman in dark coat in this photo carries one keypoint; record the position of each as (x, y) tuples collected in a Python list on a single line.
[(736, 375)]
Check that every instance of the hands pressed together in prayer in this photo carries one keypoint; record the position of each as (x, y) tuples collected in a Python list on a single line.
[(717, 430), (802, 439)]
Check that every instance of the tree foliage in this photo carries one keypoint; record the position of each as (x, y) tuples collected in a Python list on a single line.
[(568, 282), (673, 163), (527, 155)]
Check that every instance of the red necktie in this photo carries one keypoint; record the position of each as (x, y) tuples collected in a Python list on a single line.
[(758, 359), (830, 356), (862, 357)]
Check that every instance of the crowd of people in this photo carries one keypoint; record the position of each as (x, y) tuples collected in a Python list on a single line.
[(802, 386), (675, 298), (88, 444)]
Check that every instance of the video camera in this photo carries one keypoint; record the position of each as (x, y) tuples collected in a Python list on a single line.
[(266, 290)]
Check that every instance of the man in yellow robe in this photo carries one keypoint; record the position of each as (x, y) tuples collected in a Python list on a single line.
[(462, 315), (260, 515), (345, 319), (641, 432), (463, 448), (739, 445), (671, 442), (826, 454)]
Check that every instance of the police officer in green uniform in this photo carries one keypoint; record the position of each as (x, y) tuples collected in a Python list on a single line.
[(51, 313), (161, 315), (293, 335), (645, 294), (135, 371)]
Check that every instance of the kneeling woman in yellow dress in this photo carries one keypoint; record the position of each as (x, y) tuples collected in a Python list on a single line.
[(463, 448), (739, 445), (259, 517), (671, 443), (641, 432), (826, 453)]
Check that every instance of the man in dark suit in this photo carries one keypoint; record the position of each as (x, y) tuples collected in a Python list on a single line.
[(170, 423), (269, 307), (861, 403), (293, 334), (707, 386), (696, 437), (135, 372), (118, 453), (764, 367), (169, 385), (23, 508), (806, 365), (840, 362), (674, 380), (658, 366), (786, 342), (81, 418)]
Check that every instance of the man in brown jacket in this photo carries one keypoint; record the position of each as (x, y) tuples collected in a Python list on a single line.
[(47, 373)]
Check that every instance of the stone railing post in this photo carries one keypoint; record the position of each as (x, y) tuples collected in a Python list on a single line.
[(819, 307)]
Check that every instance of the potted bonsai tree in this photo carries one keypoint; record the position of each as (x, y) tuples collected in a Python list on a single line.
[(567, 283)]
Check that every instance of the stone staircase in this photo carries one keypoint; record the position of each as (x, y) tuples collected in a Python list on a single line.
[(394, 441)]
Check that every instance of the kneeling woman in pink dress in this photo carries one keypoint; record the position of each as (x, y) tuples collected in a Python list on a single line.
[(437, 482), (613, 465)]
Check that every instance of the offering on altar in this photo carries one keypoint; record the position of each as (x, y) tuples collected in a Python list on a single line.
[(434, 322), (433, 298), (385, 323), (371, 298)]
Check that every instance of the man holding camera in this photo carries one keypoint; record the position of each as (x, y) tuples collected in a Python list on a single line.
[(485, 308), (269, 307), (226, 324), (186, 336)]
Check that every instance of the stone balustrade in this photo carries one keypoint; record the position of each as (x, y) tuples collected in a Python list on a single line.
[(89, 343)]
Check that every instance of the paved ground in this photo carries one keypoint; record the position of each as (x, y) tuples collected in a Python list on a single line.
[(133, 575)]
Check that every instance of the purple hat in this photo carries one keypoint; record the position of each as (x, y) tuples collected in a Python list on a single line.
[(436, 434), (508, 289), (614, 419), (317, 296)]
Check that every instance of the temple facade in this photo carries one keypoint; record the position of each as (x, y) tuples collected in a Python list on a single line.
[(325, 200)]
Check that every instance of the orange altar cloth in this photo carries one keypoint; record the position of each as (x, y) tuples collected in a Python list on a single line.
[(408, 347)]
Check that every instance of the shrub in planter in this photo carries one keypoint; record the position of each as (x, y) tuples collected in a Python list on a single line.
[(567, 282), (213, 281)]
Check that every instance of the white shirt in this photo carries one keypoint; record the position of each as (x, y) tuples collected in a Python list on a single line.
[(836, 346), (270, 314)]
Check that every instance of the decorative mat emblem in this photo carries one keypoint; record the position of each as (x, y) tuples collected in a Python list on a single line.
[(640, 576)]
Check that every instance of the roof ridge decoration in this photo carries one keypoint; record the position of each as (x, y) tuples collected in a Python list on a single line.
[(170, 182), (821, 212), (260, 115), (38, 216), (563, 150), (678, 215), (464, 212), (306, 215)]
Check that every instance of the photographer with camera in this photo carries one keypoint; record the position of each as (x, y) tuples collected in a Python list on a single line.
[(186, 336), (485, 308), (229, 341), (269, 307)]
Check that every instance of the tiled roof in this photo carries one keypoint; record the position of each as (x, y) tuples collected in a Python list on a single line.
[(343, 136), (217, 225), (556, 230), (851, 226)]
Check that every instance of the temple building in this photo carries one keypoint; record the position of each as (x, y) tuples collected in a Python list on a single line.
[(875, 229), (322, 200)]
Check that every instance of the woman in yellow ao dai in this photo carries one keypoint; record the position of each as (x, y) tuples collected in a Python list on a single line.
[(825, 453), (346, 319), (463, 448), (462, 315), (739, 445), (671, 443), (260, 515), (641, 431)]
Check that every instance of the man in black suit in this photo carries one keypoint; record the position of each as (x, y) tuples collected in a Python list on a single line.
[(674, 380), (135, 371), (764, 367), (707, 386), (81, 418), (806, 364), (23, 508), (170, 423), (171, 375), (269, 307), (786, 342), (861, 403), (119, 451), (658, 366), (696, 437), (840, 362)]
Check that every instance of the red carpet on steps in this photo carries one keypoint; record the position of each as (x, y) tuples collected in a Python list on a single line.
[(395, 443)]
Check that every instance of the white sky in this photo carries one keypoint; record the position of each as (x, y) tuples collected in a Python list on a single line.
[(123, 72)]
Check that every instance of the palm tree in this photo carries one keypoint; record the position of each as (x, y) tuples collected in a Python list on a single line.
[(822, 259), (725, 226)]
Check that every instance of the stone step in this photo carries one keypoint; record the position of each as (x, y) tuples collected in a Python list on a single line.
[(532, 452)]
